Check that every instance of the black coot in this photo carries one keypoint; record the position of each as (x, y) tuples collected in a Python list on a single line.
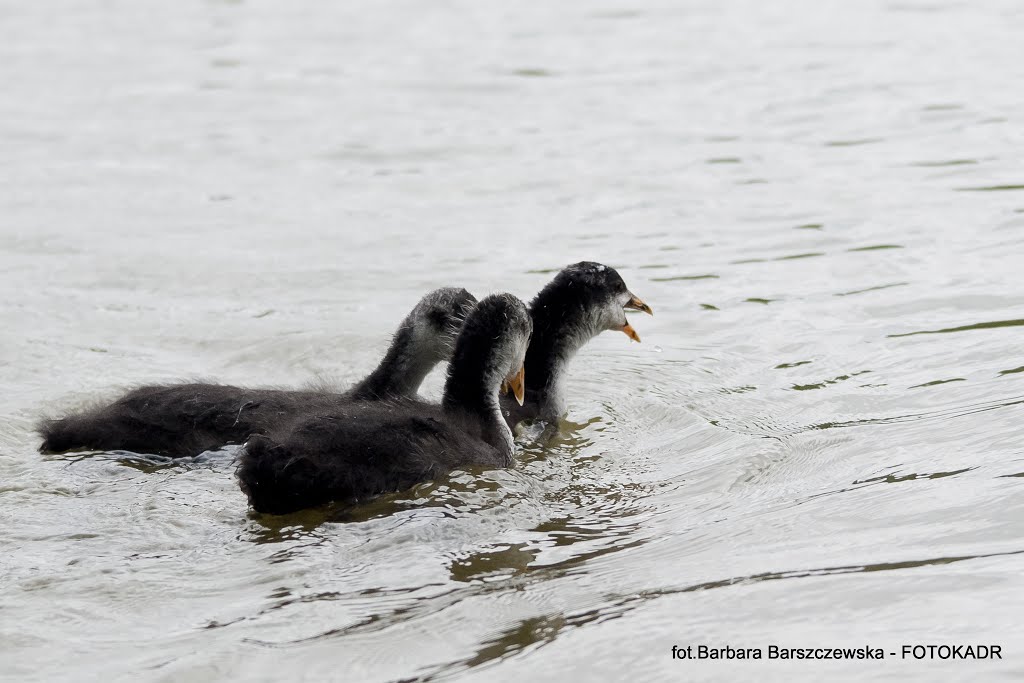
[(581, 302), (180, 420), (361, 449)]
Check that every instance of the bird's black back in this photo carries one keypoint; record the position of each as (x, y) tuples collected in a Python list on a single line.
[(357, 452)]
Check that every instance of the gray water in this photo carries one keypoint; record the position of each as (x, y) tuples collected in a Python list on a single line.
[(816, 444)]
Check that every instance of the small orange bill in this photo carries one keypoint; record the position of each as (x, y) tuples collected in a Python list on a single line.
[(636, 304), (630, 332), (516, 383)]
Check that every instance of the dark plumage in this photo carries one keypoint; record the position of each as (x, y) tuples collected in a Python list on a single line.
[(186, 419), (582, 301), (360, 450)]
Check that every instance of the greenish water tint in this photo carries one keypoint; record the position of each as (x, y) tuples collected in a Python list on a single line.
[(877, 247), (818, 443), (684, 277), (966, 328)]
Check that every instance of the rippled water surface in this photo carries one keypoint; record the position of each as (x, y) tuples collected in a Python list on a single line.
[(817, 443)]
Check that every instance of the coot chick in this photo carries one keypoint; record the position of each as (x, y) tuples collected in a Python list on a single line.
[(179, 420), (362, 450), (582, 301)]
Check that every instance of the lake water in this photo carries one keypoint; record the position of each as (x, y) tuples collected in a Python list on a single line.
[(818, 442)]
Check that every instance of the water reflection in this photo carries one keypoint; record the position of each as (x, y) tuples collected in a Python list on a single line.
[(526, 634), (299, 527), (965, 328), (942, 414), (897, 479), (872, 289), (490, 564), (631, 602), (827, 382), (936, 382), (536, 632)]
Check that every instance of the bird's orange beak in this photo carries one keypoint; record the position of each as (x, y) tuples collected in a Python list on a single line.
[(516, 382), (635, 304)]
